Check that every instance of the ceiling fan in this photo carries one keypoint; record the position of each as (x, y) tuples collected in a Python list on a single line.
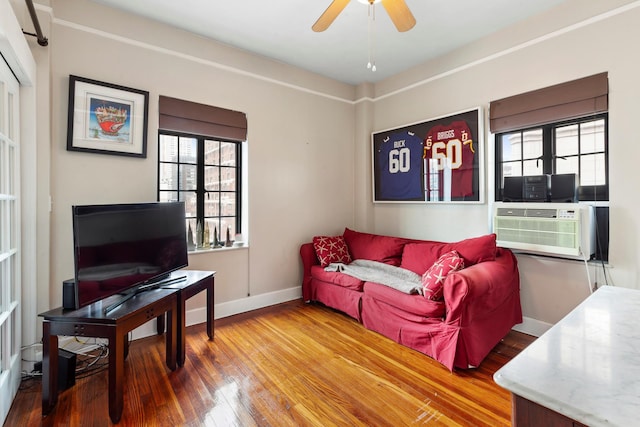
[(398, 11)]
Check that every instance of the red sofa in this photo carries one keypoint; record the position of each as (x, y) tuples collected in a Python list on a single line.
[(480, 303)]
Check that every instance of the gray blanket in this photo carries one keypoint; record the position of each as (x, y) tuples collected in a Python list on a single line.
[(372, 271)]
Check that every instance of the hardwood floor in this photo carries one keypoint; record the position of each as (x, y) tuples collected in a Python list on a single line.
[(288, 365)]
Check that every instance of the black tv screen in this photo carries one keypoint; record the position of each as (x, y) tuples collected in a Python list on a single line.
[(119, 247)]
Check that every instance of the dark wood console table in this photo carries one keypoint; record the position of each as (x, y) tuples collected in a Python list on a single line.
[(90, 321)]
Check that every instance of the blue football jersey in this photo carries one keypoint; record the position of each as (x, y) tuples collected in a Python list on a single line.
[(400, 166)]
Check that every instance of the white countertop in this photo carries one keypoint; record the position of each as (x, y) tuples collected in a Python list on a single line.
[(587, 366)]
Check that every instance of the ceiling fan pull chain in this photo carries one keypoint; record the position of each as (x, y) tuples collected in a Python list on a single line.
[(373, 66), (371, 33), (369, 36)]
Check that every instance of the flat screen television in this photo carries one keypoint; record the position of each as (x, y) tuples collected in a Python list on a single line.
[(121, 248)]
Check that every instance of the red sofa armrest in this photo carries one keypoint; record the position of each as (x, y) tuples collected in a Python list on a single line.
[(309, 259), (477, 291), (483, 304)]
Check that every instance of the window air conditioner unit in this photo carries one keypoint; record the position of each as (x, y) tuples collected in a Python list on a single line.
[(559, 229)]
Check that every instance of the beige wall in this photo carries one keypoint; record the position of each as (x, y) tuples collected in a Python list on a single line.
[(300, 141), (309, 151), (578, 39)]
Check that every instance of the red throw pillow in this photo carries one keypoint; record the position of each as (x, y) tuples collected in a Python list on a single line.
[(477, 249), (419, 256), (433, 279), (374, 247), (331, 249)]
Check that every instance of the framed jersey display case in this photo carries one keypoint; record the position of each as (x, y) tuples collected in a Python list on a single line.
[(439, 160)]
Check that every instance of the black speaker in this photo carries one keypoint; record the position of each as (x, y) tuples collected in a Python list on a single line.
[(602, 232), (69, 294), (66, 369), (564, 188), (512, 190), (536, 188)]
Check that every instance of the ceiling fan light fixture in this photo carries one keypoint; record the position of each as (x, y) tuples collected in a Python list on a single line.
[(367, 1)]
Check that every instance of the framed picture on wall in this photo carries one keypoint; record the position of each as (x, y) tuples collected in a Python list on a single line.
[(437, 161), (106, 118)]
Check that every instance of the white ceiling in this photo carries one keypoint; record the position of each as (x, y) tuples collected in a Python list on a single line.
[(281, 29)]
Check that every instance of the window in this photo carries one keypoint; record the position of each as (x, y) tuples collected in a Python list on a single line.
[(576, 146), (558, 129), (205, 174), (199, 162)]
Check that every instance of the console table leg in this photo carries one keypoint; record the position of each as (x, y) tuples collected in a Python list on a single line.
[(49, 369), (210, 314), (171, 340), (116, 375), (126, 346), (160, 324), (180, 329)]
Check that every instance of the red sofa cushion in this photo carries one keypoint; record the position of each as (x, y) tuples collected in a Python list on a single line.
[(414, 304), (420, 256), (374, 247), (433, 279), (336, 278), (331, 249)]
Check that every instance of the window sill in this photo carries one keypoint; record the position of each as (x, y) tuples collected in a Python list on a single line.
[(220, 249)]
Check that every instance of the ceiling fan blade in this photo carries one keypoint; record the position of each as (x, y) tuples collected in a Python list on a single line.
[(400, 14), (329, 15)]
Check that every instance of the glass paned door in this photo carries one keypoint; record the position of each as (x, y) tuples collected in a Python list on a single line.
[(10, 283)]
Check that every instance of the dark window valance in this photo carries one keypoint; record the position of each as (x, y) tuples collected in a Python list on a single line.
[(565, 101), (177, 115)]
